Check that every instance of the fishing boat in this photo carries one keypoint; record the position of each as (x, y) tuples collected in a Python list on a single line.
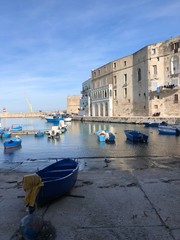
[(155, 124), (39, 134), (12, 143), (56, 180), (53, 118), (136, 136), (169, 130)]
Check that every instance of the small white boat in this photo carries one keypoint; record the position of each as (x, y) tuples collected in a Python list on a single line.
[(67, 117), (55, 132)]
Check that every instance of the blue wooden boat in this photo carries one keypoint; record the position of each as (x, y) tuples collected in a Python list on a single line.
[(105, 136), (58, 179), (136, 136), (39, 134), (169, 130), (155, 124), (12, 143), (16, 128), (5, 134), (53, 118)]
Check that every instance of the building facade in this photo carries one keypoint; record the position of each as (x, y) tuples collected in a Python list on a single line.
[(85, 100), (146, 83)]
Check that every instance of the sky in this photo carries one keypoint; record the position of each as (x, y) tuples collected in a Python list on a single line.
[(48, 48)]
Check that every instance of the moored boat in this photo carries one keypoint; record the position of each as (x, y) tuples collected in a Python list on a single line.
[(53, 118), (155, 124), (169, 130), (55, 132), (136, 136), (39, 134), (54, 181), (5, 134), (12, 143), (105, 136), (67, 117), (16, 128)]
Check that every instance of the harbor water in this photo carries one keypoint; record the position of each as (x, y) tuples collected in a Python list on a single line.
[(80, 142)]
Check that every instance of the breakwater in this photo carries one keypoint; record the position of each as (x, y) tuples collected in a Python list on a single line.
[(123, 119), (128, 120), (22, 115)]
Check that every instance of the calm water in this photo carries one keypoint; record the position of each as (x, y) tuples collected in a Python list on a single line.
[(80, 141)]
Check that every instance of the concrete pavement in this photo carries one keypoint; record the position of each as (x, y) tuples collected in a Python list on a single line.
[(125, 199)]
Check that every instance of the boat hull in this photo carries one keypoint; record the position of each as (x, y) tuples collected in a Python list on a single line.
[(39, 134), (5, 134), (16, 129), (13, 143), (59, 178), (53, 119), (105, 136), (155, 124), (136, 136), (169, 130)]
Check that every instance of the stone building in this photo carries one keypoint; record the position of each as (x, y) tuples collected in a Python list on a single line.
[(164, 77), (85, 100), (73, 104), (102, 91), (145, 83)]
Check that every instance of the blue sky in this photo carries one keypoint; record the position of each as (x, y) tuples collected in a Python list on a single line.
[(49, 47)]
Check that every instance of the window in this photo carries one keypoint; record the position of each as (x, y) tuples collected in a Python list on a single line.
[(139, 74), (155, 69), (115, 80), (125, 92), (125, 78), (124, 63), (115, 94), (114, 65), (153, 51), (155, 106), (175, 98)]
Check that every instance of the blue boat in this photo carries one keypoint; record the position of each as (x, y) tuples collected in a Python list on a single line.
[(13, 143), (105, 136), (136, 136), (155, 124), (169, 130), (5, 134), (53, 118), (39, 134), (57, 179), (16, 128)]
